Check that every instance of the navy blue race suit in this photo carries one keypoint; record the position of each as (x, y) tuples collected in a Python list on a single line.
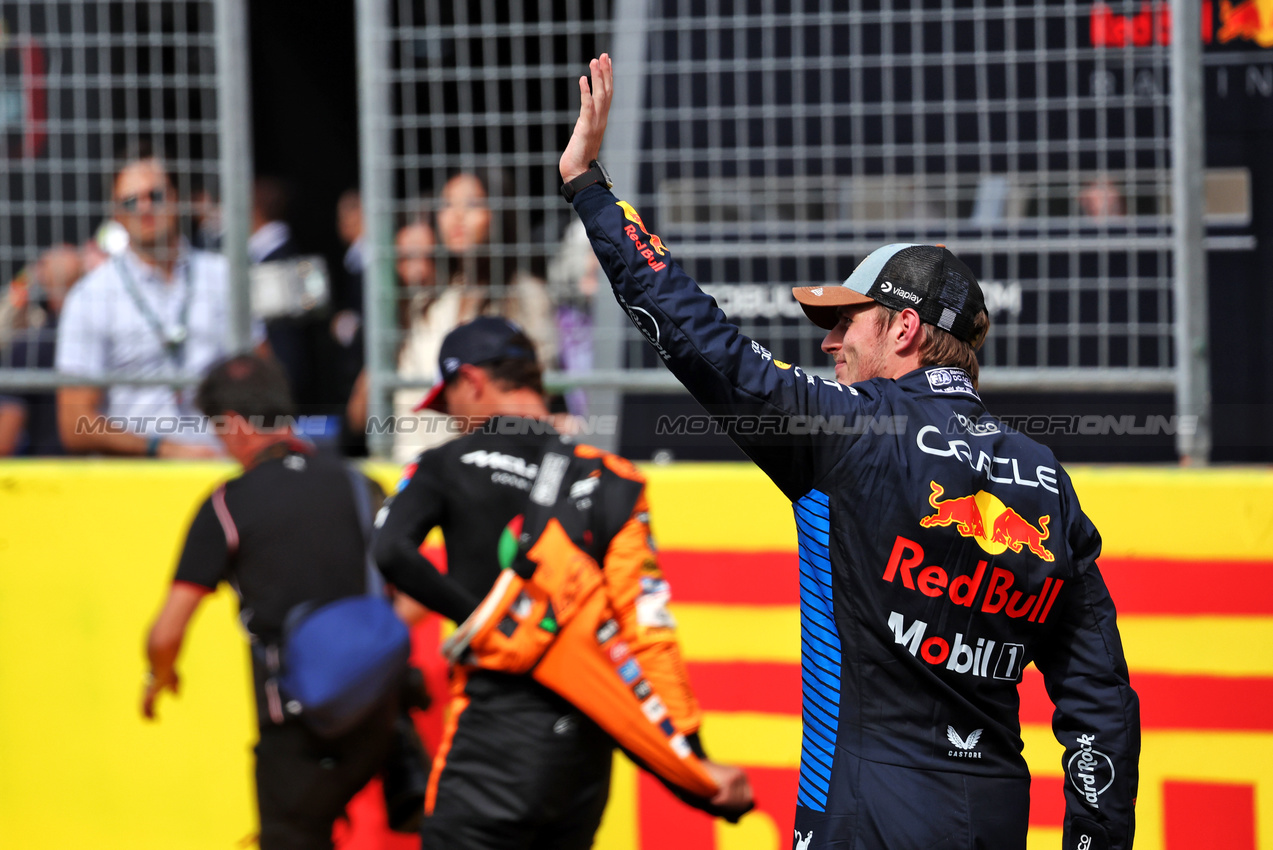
[(939, 553)]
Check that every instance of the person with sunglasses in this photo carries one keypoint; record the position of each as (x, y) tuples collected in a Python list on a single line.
[(157, 307)]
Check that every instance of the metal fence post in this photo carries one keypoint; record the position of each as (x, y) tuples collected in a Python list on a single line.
[(1193, 383), (375, 152), (234, 131), (622, 146)]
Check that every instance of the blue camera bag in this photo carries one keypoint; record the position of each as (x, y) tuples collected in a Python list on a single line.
[(339, 661)]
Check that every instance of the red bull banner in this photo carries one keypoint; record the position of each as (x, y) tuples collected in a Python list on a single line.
[(1247, 22), (1188, 556)]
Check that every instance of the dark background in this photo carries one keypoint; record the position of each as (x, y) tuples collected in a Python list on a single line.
[(305, 111)]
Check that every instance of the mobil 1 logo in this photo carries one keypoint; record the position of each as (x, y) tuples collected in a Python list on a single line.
[(1009, 663)]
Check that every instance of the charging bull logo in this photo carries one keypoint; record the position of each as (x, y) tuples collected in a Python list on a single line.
[(973, 515), (633, 216), (1249, 20)]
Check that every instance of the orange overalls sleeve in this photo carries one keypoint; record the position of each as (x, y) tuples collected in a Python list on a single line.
[(639, 595)]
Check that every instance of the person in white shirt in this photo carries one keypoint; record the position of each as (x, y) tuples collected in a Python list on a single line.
[(156, 308)]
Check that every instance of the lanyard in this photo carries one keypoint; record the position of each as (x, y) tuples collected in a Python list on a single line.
[(173, 340)]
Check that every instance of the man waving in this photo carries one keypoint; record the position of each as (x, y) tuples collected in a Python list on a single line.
[(937, 558)]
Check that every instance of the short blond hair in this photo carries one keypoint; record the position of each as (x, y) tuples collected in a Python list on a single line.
[(942, 348)]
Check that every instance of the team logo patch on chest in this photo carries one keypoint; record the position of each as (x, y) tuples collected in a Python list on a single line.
[(509, 470), (987, 520)]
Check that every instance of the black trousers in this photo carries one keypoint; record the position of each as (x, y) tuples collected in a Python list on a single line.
[(304, 782), (518, 776)]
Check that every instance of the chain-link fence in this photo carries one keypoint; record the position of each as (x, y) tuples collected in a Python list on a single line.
[(770, 145), (773, 146), (460, 178), (782, 147), (110, 205), (86, 86)]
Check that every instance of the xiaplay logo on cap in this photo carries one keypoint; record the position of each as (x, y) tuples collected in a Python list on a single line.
[(888, 288)]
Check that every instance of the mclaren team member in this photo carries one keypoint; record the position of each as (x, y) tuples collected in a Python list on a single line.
[(937, 559), (518, 766), (284, 533)]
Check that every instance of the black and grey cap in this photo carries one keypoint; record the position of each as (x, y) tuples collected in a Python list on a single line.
[(483, 340), (926, 278)]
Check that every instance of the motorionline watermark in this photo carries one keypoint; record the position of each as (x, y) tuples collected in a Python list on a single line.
[(1077, 425), (513, 426), (195, 425), (318, 425), (1032, 425), (776, 425), (691, 425)]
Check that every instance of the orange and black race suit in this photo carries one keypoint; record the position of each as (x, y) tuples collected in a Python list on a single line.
[(517, 759)]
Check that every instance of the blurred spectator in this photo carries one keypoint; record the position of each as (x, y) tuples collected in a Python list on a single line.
[(29, 310), (349, 227), (92, 254), (13, 305), (423, 329), (271, 238), (478, 227), (291, 337), (416, 246), (1101, 199), (208, 230), (573, 277), (476, 273), (33, 300), (342, 350), (157, 308)]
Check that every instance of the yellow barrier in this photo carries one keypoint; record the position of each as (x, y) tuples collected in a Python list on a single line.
[(86, 553), (87, 550)]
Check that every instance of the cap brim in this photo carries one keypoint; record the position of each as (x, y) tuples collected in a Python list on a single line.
[(433, 400), (820, 302)]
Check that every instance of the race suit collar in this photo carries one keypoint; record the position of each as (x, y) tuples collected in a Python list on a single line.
[(940, 380)]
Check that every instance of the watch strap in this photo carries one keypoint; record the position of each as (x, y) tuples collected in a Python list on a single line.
[(594, 174)]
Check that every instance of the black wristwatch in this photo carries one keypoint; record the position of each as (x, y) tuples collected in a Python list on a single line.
[(596, 173)]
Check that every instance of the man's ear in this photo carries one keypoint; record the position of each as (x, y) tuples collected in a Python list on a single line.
[(476, 376), (907, 332)]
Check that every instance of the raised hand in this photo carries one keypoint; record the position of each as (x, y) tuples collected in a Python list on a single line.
[(590, 129)]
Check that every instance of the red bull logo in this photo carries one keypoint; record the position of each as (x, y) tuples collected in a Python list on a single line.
[(1150, 23), (1003, 592), (1249, 20), (983, 517), (655, 243)]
